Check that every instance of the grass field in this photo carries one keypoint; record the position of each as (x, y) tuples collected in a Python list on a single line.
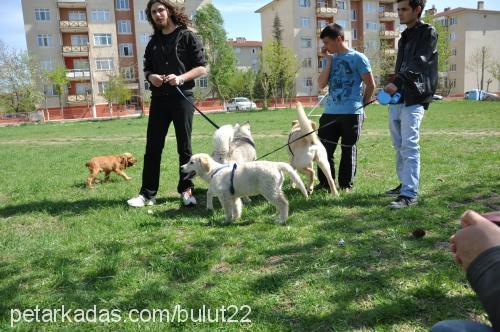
[(61, 244)]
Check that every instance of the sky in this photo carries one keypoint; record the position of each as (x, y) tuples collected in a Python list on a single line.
[(239, 17)]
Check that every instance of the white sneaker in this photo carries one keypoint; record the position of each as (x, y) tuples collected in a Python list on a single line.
[(141, 201), (188, 198)]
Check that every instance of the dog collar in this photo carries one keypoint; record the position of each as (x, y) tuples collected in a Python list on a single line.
[(218, 169)]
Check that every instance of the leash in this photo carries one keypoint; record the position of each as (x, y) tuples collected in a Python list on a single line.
[(196, 108), (307, 134)]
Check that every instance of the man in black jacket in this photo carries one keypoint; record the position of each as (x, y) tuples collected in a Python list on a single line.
[(416, 81), (477, 248), (174, 57)]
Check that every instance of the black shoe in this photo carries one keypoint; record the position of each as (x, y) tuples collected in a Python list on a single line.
[(322, 186), (394, 192), (402, 202)]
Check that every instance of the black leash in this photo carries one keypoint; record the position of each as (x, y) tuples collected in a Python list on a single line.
[(323, 126), (196, 108)]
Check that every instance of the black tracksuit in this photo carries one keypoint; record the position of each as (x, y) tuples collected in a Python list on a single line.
[(175, 53)]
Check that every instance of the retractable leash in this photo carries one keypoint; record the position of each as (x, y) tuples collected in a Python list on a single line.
[(196, 108), (383, 98)]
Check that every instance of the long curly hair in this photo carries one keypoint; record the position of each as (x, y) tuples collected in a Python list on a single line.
[(176, 13)]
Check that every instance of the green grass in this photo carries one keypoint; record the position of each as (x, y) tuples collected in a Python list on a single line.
[(61, 244)]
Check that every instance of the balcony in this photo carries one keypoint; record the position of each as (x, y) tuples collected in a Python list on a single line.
[(78, 74), (73, 26), (388, 34), (80, 50), (388, 16), (72, 3), (77, 99), (325, 11)]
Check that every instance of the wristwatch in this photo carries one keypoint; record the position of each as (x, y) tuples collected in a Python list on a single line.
[(181, 80)]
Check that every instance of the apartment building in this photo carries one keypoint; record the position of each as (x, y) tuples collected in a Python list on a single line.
[(92, 38), (370, 26), (471, 29), (247, 53)]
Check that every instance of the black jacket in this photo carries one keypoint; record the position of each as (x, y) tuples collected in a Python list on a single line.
[(418, 78), (184, 53), (484, 277)]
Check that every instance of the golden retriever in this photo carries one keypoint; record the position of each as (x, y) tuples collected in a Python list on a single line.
[(307, 150), (108, 164), (230, 183)]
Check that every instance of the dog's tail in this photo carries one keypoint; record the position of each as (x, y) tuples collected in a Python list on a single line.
[(305, 124), (222, 139), (284, 167)]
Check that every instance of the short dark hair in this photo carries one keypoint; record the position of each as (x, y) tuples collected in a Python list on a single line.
[(415, 3), (333, 31)]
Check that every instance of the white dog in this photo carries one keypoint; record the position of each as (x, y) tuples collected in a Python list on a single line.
[(229, 182), (307, 150), (234, 144)]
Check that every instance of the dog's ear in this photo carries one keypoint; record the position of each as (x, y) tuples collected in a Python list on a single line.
[(205, 164), (314, 125), (123, 161)]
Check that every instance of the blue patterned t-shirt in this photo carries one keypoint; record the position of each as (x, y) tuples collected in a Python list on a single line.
[(345, 82)]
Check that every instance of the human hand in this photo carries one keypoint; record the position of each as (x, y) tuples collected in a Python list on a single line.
[(174, 80), (477, 235), (391, 88), (156, 80)]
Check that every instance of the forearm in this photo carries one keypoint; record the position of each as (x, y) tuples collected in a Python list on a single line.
[(484, 277), (367, 96), (194, 73), (325, 75)]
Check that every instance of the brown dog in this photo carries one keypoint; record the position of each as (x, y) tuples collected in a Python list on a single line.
[(108, 164)]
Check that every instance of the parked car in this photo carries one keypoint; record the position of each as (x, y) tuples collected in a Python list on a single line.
[(437, 97), (477, 94), (240, 104)]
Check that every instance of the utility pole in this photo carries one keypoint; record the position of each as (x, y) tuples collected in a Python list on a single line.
[(94, 112), (483, 52)]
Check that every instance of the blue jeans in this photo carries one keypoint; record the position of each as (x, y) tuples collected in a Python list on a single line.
[(460, 326), (404, 124)]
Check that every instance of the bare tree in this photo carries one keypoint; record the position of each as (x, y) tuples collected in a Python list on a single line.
[(477, 63)]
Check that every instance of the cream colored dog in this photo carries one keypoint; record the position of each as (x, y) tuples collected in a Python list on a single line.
[(229, 183), (307, 150)]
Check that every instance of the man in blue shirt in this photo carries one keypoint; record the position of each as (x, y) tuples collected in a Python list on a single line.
[(345, 71)]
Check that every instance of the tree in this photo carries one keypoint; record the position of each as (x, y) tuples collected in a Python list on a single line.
[(277, 29), (381, 61), (116, 91), (477, 62), (494, 70), (243, 83), (19, 75), (58, 77), (220, 55)]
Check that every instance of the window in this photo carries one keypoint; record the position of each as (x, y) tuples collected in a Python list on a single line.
[(144, 39), (305, 22), (453, 67), (304, 3), (203, 82), (342, 23), (122, 5), (128, 73), (50, 90), (79, 40), (80, 64), (342, 5), (102, 39), (237, 50), (142, 16), (453, 21), (453, 36), (307, 63), (102, 86), (124, 27), (371, 26), (308, 82), (371, 7), (101, 16), (47, 65), (453, 52), (104, 64), (77, 16), (305, 42), (44, 40), (82, 88), (371, 45), (254, 50), (42, 14), (354, 34), (125, 50), (354, 15)]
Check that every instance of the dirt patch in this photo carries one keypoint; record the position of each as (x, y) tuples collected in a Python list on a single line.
[(221, 267), (491, 201)]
